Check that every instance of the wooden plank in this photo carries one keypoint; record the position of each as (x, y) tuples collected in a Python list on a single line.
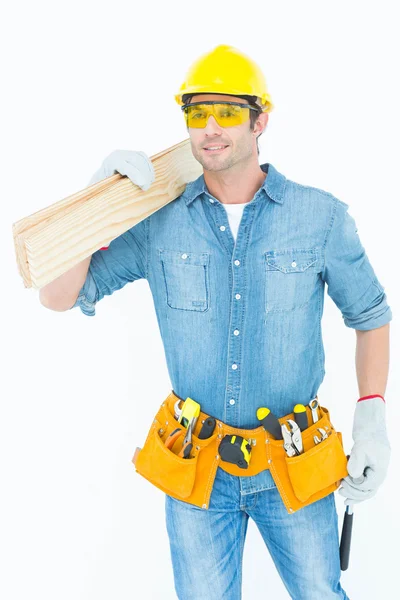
[(38, 220), (53, 240)]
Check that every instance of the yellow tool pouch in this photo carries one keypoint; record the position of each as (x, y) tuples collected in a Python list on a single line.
[(300, 480)]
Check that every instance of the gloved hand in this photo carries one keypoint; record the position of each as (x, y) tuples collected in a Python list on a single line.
[(134, 164), (370, 455)]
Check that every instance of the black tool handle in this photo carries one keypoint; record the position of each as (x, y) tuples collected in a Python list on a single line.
[(207, 428), (301, 418), (270, 423), (347, 527), (186, 450), (345, 540)]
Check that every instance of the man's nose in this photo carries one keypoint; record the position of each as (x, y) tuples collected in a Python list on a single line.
[(212, 124)]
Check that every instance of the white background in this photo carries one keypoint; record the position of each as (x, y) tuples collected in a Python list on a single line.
[(81, 79)]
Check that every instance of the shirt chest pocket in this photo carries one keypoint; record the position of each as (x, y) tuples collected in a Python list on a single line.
[(186, 277), (291, 278)]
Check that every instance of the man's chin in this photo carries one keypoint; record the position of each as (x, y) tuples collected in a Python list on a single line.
[(207, 166), (210, 164)]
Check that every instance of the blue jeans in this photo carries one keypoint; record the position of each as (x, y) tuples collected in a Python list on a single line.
[(207, 545)]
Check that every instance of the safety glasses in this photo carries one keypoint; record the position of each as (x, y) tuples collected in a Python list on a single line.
[(227, 114)]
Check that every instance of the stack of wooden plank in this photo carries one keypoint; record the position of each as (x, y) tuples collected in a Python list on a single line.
[(53, 240)]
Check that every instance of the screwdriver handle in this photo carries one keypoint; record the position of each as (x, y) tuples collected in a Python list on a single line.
[(270, 422), (300, 416)]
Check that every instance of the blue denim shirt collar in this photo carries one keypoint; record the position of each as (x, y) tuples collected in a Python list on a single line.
[(274, 186)]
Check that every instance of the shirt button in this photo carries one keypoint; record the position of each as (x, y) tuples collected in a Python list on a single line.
[(237, 262), (237, 296), (234, 366), (236, 332), (222, 228), (211, 200), (294, 264), (184, 256), (231, 401)]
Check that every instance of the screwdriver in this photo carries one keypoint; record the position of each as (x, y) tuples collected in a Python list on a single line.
[(300, 416), (270, 422)]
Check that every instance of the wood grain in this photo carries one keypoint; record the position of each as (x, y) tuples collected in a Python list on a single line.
[(53, 240)]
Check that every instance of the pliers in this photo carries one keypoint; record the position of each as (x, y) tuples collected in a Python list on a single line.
[(187, 441), (292, 440), (187, 444)]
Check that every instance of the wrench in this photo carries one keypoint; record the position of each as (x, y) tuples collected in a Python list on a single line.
[(314, 404), (323, 433), (177, 410)]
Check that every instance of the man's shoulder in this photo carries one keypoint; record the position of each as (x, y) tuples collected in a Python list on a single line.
[(314, 195)]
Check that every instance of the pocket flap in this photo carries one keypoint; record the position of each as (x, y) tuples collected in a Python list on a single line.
[(184, 257), (291, 261)]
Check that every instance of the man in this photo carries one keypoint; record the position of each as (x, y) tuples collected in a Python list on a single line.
[(237, 266)]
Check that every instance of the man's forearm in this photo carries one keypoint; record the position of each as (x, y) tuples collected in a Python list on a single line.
[(61, 293), (372, 360)]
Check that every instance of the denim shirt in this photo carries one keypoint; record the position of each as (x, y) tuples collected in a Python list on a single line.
[(241, 321)]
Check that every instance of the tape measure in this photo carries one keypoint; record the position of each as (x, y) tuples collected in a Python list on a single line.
[(190, 412), (235, 449)]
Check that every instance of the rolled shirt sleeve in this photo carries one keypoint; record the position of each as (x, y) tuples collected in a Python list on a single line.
[(124, 261), (352, 282)]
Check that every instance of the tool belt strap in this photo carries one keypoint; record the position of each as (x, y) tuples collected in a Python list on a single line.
[(300, 480)]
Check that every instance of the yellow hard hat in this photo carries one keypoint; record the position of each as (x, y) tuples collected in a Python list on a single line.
[(226, 70)]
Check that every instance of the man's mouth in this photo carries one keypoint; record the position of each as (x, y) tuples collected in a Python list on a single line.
[(215, 149)]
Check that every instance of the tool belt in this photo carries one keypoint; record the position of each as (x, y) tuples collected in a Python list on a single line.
[(300, 480)]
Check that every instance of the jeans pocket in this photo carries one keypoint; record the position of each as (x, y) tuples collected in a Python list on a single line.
[(186, 277), (291, 277)]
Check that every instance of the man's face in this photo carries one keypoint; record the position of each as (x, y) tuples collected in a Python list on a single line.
[(241, 140)]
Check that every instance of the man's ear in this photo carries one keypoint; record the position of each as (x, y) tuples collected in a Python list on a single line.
[(261, 123)]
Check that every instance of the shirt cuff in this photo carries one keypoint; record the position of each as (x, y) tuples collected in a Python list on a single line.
[(86, 299), (376, 315)]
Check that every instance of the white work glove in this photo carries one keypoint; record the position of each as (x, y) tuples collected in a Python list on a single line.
[(370, 455), (134, 164)]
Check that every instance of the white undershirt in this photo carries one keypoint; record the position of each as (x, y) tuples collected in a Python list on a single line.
[(234, 212)]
